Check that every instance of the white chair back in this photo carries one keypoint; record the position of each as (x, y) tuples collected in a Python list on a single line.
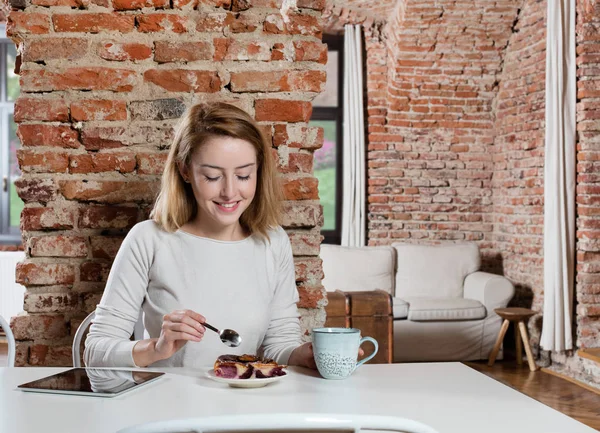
[(138, 334), (11, 341), (280, 422)]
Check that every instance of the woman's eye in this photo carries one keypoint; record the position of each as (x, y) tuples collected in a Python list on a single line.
[(244, 177), (212, 179)]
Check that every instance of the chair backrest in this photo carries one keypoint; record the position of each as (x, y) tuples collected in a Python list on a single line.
[(11, 341), (138, 334), (352, 269), (436, 271), (280, 422)]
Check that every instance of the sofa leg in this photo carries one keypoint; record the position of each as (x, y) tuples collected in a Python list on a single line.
[(496, 348)]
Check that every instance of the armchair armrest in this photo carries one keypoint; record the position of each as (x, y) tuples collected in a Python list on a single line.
[(493, 291)]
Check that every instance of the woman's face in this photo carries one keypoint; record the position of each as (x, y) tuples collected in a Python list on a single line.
[(223, 174)]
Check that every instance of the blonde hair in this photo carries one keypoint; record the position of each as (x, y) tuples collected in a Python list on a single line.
[(176, 204)]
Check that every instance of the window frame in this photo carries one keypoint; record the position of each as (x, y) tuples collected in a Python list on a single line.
[(8, 234), (335, 43)]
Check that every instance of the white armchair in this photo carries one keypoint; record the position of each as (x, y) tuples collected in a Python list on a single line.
[(443, 306)]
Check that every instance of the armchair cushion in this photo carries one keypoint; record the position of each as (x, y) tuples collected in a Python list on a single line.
[(399, 308), (440, 309), (353, 269), (434, 271)]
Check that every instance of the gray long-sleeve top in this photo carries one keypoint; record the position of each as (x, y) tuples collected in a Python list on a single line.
[(246, 285)]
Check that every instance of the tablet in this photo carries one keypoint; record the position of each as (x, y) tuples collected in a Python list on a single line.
[(94, 382)]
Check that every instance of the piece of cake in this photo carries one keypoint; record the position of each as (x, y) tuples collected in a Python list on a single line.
[(246, 367)]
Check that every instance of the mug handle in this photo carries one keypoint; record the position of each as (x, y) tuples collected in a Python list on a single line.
[(368, 358)]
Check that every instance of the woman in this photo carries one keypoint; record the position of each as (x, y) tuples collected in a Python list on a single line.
[(213, 251)]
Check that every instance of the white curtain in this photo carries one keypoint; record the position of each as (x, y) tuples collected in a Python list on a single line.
[(559, 177), (353, 204)]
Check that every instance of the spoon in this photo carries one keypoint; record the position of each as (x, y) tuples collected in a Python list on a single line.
[(228, 336)]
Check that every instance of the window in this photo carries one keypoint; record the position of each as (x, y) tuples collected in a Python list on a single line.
[(328, 114), (10, 203)]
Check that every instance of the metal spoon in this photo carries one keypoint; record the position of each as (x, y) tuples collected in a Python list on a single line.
[(228, 336)]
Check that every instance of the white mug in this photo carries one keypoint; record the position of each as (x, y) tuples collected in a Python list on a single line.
[(336, 351)]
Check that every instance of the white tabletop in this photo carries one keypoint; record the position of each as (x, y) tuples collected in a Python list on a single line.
[(450, 397)]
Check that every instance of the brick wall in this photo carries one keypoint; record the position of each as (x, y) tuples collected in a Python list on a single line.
[(430, 166), (518, 153), (103, 82)]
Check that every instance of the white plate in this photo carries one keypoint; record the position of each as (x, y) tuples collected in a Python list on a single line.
[(244, 383)]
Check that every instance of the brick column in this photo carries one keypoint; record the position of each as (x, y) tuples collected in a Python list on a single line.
[(102, 85)]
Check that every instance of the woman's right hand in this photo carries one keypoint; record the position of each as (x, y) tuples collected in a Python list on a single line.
[(178, 328)]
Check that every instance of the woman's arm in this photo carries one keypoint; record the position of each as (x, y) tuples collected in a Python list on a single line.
[(283, 335), (108, 344)]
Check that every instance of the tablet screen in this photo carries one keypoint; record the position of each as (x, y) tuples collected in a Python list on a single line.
[(91, 381)]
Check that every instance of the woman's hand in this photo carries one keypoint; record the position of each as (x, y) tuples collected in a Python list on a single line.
[(304, 356), (178, 328)]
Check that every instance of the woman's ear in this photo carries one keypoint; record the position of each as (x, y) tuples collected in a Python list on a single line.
[(184, 172)]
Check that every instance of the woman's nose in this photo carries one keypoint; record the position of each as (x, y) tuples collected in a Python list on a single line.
[(228, 190)]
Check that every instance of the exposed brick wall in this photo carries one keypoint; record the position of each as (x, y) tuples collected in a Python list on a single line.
[(518, 153), (430, 168), (587, 286), (102, 84)]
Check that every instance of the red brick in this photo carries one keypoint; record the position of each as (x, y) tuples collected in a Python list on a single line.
[(108, 217), (48, 135), (298, 163), (44, 274), (297, 24), (105, 247), (151, 163), (308, 269), (90, 78), (109, 191), (98, 109), (233, 49), (32, 161), (50, 356), (298, 136), (304, 188), (121, 51), (318, 5), (166, 51), (308, 51), (161, 22), (93, 22), (305, 243), (310, 296), (282, 110), (58, 246), (297, 214), (278, 81), (236, 23), (49, 3), (35, 189), (54, 48), (27, 23), (45, 108), (94, 272), (38, 326), (102, 162), (37, 218), (184, 80), (125, 5)]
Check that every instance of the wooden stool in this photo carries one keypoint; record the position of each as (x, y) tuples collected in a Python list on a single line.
[(518, 316)]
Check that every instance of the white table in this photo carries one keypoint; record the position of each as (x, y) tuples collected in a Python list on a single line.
[(450, 397)]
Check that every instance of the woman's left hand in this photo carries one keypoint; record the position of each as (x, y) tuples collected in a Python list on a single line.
[(304, 356)]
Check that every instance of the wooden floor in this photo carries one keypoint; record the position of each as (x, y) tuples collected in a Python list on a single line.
[(559, 394)]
